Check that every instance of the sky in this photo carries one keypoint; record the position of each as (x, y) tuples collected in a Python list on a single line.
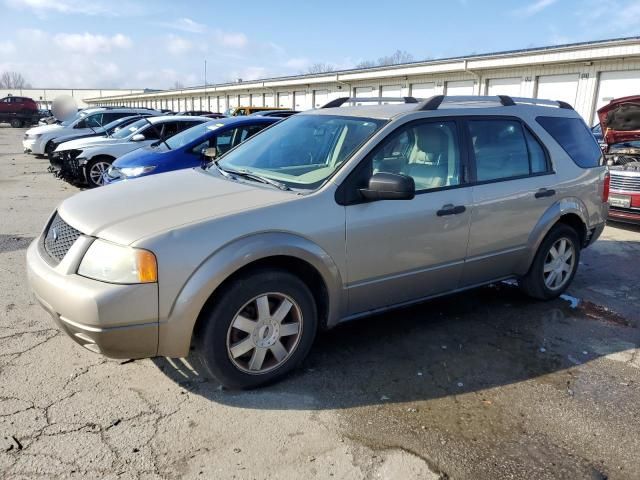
[(156, 43)]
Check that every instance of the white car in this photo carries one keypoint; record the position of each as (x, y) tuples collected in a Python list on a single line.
[(86, 160), (39, 140)]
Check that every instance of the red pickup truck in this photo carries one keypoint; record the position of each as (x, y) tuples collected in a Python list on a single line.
[(620, 121)]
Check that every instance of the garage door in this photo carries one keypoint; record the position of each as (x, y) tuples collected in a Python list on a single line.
[(615, 85), (364, 92), (558, 87), (461, 87), (423, 90), (300, 101), (392, 91), (284, 100), (256, 100), (268, 100), (321, 98), (233, 101), (504, 86), (245, 100)]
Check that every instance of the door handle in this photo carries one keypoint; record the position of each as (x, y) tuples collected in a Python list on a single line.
[(544, 192), (451, 210)]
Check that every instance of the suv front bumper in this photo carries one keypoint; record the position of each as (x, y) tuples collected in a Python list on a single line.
[(118, 321)]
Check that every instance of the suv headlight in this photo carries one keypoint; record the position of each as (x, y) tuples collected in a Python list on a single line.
[(136, 171), (113, 263)]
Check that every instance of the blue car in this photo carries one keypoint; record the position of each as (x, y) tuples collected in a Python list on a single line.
[(186, 149)]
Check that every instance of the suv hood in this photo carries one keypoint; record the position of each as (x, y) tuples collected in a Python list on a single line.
[(620, 120), (128, 211)]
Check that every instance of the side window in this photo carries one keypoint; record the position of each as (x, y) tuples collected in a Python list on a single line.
[(246, 132), (500, 149), (575, 138), (223, 141), (537, 156), (428, 152), (151, 133), (111, 116), (169, 129), (94, 121)]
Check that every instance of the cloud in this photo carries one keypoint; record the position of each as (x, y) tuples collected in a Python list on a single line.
[(7, 47), (82, 7), (186, 25), (533, 8), (90, 43), (177, 45), (297, 63), (231, 39)]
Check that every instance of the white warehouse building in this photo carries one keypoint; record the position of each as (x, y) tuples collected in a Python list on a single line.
[(586, 75)]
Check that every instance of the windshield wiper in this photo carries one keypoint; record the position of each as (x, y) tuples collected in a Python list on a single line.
[(254, 176), (222, 171)]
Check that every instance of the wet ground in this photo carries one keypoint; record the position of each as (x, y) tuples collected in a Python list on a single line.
[(486, 384)]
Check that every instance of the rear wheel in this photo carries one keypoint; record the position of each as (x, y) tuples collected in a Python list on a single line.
[(16, 122), (96, 170), (554, 265), (258, 329)]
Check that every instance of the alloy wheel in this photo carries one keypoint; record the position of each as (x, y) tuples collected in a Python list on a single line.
[(98, 171), (264, 333), (559, 264)]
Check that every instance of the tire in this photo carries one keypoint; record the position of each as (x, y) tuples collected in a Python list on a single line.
[(259, 352), (48, 148), (549, 284), (94, 169), (16, 123)]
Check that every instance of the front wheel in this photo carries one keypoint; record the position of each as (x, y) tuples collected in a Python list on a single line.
[(16, 122), (554, 265), (257, 329), (96, 170)]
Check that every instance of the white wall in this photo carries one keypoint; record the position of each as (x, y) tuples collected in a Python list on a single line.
[(45, 96)]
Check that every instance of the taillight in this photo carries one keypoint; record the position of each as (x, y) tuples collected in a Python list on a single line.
[(605, 188)]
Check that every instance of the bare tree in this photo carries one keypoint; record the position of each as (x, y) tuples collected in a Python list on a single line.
[(320, 68), (397, 57), (13, 80), (178, 85)]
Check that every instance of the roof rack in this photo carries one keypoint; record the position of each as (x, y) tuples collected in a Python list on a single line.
[(379, 100), (436, 101)]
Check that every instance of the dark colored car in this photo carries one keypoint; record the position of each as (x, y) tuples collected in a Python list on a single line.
[(24, 105), (187, 149), (620, 122)]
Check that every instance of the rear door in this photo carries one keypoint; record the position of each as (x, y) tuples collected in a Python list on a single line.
[(4, 105), (513, 187)]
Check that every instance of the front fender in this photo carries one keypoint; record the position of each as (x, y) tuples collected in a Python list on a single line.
[(176, 330), (569, 205)]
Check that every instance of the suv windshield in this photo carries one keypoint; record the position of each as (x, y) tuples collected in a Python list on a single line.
[(130, 130), (189, 135), (302, 151)]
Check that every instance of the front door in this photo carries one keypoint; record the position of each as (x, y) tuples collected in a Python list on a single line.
[(404, 250), (514, 186)]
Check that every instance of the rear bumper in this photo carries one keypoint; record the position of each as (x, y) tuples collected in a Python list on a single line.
[(626, 216), (118, 321)]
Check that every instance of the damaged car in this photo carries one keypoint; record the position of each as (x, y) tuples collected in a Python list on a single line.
[(620, 121)]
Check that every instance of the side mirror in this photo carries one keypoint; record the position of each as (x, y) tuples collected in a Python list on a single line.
[(210, 152), (389, 186), (138, 137)]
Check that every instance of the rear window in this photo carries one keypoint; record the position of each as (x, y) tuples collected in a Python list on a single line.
[(575, 138)]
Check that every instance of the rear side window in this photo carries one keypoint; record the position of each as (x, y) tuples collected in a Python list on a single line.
[(575, 138), (504, 149)]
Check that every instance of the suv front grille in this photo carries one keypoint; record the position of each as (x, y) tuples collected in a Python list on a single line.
[(59, 238), (625, 182)]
